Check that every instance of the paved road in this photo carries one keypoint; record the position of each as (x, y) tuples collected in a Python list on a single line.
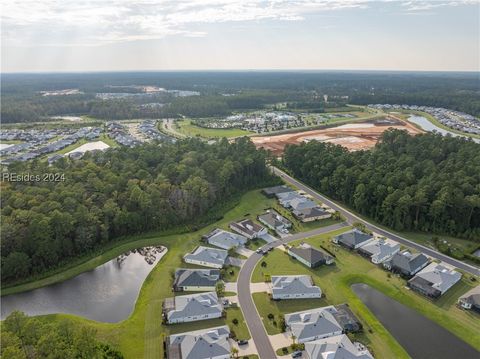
[(351, 217), (252, 318)]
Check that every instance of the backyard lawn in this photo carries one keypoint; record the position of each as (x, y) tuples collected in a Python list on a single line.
[(350, 268), (141, 335)]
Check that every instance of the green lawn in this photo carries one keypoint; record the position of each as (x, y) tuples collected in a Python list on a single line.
[(266, 306), (140, 336), (256, 243), (186, 127), (351, 268)]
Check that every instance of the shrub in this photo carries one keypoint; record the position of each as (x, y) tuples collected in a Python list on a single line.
[(235, 321), (270, 316)]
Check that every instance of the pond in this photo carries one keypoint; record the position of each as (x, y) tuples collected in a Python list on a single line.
[(106, 293), (426, 125), (419, 336)]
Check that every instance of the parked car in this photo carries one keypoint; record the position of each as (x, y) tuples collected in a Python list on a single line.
[(297, 354), (259, 251), (242, 342)]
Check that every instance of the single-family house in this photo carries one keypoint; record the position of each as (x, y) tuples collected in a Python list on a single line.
[(338, 346), (195, 280), (248, 228), (353, 239), (285, 198), (435, 279), (224, 239), (207, 257), (311, 214), (313, 324), (471, 299), (310, 256), (406, 263), (270, 192), (301, 203), (211, 343), (294, 287), (273, 220), (192, 307), (380, 250)]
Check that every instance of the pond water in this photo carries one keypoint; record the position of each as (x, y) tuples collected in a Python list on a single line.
[(428, 126), (419, 336), (106, 294)]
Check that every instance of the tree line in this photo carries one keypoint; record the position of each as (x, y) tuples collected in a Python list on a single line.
[(25, 337), (117, 193), (427, 182)]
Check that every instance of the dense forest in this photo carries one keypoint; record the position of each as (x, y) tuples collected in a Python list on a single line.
[(424, 183), (225, 92), (117, 193), (24, 337)]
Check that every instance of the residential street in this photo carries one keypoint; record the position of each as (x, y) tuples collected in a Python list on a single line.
[(350, 217)]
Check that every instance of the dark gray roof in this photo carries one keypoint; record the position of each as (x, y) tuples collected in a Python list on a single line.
[(310, 254), (409, 263), (310, 212), (293, 284), (202, 344), (353, 237), (276, 189), (195, 305), (196, 277)]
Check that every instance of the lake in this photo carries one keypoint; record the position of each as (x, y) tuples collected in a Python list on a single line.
[(428, 126), (106, 294), (419, 336)]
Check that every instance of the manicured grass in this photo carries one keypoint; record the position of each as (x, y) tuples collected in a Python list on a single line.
[(186, 127), (351, 268), (231, 274), (240, 329), (141, 335), (256, 243), (266, 306)]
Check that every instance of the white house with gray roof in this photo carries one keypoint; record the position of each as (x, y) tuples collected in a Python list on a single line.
[(471, 299), (406, 263), (294, 287), (313, 324), (224, 239), (195, 280), (353, 239), (207, 257), (336, 347), (192, 307), (248, 228), (273, 220), (211, 343), (380, 250), (435, 279)]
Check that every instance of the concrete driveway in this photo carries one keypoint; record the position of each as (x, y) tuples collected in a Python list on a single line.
[(243, 350), (237, 262), (260, 287), (230, 287), (268, 238), (244, 251), (280, 340)]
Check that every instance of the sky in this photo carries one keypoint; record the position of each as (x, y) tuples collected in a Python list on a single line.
[(123, 35)]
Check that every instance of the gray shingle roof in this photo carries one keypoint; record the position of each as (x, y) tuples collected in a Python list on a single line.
[(311, 323), (210, 255), (224, 239), (310, 254), (353, 237), (336, 347), (202, 344), (196, 277), (292, 284), (274, 219), (441, 276), (409, 263), (195, 305)]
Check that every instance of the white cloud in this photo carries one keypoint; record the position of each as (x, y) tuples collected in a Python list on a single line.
[(89, 22), (420, 5)]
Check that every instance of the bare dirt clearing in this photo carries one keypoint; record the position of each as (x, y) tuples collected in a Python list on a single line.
[(354, 136)]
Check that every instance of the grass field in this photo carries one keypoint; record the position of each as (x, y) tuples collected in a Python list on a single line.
[(186, 127), (351, 268), (141, 335)]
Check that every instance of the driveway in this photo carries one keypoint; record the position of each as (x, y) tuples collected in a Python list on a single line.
[(280, 340), (260, 287), (268, 238), (244, 251), (244, 350), (230, 287), (237, 262)]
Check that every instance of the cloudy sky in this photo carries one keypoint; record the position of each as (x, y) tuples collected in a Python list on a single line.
[(121, 35)]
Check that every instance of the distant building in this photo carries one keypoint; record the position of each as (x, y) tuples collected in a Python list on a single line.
[(471, 299), (273, 220), (211, 343), (434, 280), (207, 257), (310, 256), (192, 307), (313, 324), (338, 346), (248, 228), (380, 250), (294, 287), (406, 263), (224, 239), (353, 239), (192, 280)]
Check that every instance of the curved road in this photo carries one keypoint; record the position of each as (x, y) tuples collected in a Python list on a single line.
[(250, 313), (351, 217), (245, 300)]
